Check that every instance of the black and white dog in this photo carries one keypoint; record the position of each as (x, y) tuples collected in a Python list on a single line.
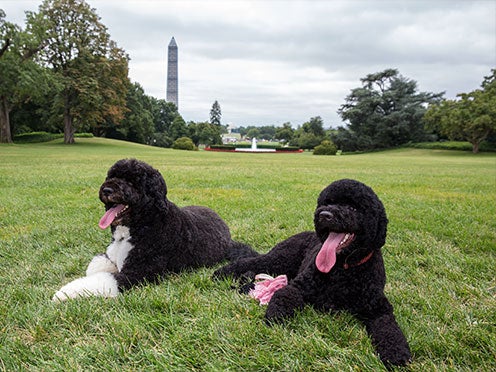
[(151, 236)]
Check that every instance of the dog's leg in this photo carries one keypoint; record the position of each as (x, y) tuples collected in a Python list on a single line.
[(283, 304), (387, 337), (285, 258), (101, 263), (239, 269), (99, 284)]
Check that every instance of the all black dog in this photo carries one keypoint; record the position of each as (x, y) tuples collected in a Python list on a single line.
[(151, 236), (337, 267)]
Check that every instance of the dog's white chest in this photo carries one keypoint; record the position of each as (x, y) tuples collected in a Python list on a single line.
[(118, 250)]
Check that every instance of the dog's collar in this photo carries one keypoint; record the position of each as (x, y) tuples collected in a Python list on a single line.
[(362, 261)]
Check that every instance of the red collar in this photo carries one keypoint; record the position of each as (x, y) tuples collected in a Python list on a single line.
[(362, 261)]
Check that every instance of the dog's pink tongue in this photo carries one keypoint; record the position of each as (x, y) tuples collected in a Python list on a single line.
[(110, 215), (326, 258)]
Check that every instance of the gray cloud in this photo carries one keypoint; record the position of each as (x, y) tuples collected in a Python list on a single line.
[(269, 62)]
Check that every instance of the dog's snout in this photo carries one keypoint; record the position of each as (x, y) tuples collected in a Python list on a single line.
[(107, 191), (325, 216)]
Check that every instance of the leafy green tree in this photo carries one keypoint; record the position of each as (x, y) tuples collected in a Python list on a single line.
[(284, 133), (315, 126), (310, 134), (163, 113), (161, 140), (138, 120), (253, 132), (91, 68), (215, 114), (205, 133), (472, 117), (306, 140), (178, 128), (385, 112), (21, 78)]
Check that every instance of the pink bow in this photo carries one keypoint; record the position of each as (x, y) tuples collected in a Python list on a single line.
[(266, 286)]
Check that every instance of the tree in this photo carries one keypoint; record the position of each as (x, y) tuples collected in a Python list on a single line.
[(138, 121), (163, 113), (385, 112), (90, 66), (21, 79), (215, 114), (310, 134), (253, 132), (284, 133), (315, 126), (472, 117), (306, 140), (178, 128), (205, 133)]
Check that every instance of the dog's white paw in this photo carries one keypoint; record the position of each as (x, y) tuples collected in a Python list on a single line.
[(98, 284), (99, 264)]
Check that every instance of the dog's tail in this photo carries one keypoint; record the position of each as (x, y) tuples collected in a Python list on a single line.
[(239, 250)]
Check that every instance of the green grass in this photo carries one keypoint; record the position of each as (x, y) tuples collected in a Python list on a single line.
[(439, 256)]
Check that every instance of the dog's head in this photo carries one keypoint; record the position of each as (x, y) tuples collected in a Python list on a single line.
[(131, 188), (351, 222)]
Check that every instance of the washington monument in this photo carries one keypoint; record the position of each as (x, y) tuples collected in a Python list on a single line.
[(172, 73)]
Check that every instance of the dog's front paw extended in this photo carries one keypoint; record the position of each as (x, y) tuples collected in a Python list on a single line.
[(99, 284), (223, 272), (283, 305)]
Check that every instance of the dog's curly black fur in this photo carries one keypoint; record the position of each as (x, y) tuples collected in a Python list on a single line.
[(354, 283), (166, 238)]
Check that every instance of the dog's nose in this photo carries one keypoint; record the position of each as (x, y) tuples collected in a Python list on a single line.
[(325, 216), (107, 191)]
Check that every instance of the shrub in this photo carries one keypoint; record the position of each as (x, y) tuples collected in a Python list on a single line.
[(452, 145), (184, 143), (325, 148), (38, 137)]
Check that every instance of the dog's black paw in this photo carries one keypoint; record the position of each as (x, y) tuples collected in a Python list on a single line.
[(277, 315), (246, 282), (246, 288), (283, 305), (222, 273)]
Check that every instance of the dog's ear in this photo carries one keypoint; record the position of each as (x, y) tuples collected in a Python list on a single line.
[(381, 230), (157, 189)]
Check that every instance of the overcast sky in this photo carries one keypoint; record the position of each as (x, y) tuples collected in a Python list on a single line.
[(270, 62)]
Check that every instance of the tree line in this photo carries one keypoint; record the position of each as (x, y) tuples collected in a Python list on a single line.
[(62, 73)]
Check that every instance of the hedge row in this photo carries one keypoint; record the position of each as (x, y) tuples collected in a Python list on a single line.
[(37, 137), (452, 145)]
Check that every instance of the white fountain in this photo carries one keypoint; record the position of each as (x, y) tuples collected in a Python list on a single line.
[(254, 147)]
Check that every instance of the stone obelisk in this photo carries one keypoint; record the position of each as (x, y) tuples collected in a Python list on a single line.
[(172, 73)]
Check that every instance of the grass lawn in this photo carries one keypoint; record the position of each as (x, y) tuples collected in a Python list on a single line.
[(440, 259)]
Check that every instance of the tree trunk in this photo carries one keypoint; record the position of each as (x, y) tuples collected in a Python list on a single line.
[(68, 127), (475, 147), (5, 134)]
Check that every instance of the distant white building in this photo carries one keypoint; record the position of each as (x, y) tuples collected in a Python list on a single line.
[(230, 137)]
